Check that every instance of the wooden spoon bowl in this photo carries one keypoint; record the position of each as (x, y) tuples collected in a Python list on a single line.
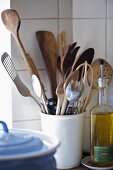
[(108, 72)]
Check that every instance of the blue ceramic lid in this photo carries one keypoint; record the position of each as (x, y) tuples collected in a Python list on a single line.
[(16, 143), (21, 144)]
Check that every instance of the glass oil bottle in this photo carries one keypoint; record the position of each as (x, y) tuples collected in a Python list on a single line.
[(102, 125)]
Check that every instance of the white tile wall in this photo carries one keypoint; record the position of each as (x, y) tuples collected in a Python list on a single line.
[(110, 40), (89, 8), (65, 8), (66, 25), (36, 8), (90, 33), (36, 15), (27, 32), (5, 84), (110, 31), (91, 26), (32, 124), (110, 8)]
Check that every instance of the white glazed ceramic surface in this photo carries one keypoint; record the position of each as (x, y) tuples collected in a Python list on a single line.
[(69, 129)]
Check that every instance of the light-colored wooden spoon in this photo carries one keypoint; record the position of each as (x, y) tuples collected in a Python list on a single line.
[(89, 90), (60, 95), (108, 72), (11, 20), (62, 44)]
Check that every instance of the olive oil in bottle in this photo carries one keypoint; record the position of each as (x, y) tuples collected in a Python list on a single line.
[(102, 126)]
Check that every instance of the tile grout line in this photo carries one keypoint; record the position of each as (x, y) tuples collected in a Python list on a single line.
[(25, 120)]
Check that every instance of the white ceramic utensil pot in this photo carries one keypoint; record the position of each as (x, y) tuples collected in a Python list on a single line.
[(69, 129)]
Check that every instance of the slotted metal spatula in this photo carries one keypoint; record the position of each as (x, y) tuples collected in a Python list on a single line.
[(10, 68)]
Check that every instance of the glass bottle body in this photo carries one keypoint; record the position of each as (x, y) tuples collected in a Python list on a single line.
[(102, 131)]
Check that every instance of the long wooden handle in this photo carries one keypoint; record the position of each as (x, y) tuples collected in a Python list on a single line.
[(29, 63)]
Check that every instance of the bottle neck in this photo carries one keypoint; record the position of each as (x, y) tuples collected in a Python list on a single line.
[(103, 96), (102, 86)]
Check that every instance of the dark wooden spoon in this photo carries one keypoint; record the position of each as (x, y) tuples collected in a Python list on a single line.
[(86, 55), (48, 47), (69, 57)]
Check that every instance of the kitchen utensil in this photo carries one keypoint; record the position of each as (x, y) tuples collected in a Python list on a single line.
[(62, 43), (65, 62), (108, 72), (10, 68), (51, 104), (38, 91), (26, 149), (74, 91), (48, 47), (72, 77), (11, 20), (87, 90), (35, 72), (59, 66), (67, 57), (60, 95), (86, 55)]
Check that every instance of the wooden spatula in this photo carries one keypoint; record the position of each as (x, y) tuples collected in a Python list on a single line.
[(48, 47)]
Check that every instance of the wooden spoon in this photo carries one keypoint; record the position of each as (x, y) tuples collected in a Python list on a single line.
[(48, 47), (89, 90), (86, 55), (60, 94), (108, 72), (12, 21), (69, 58), (62, 44)]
